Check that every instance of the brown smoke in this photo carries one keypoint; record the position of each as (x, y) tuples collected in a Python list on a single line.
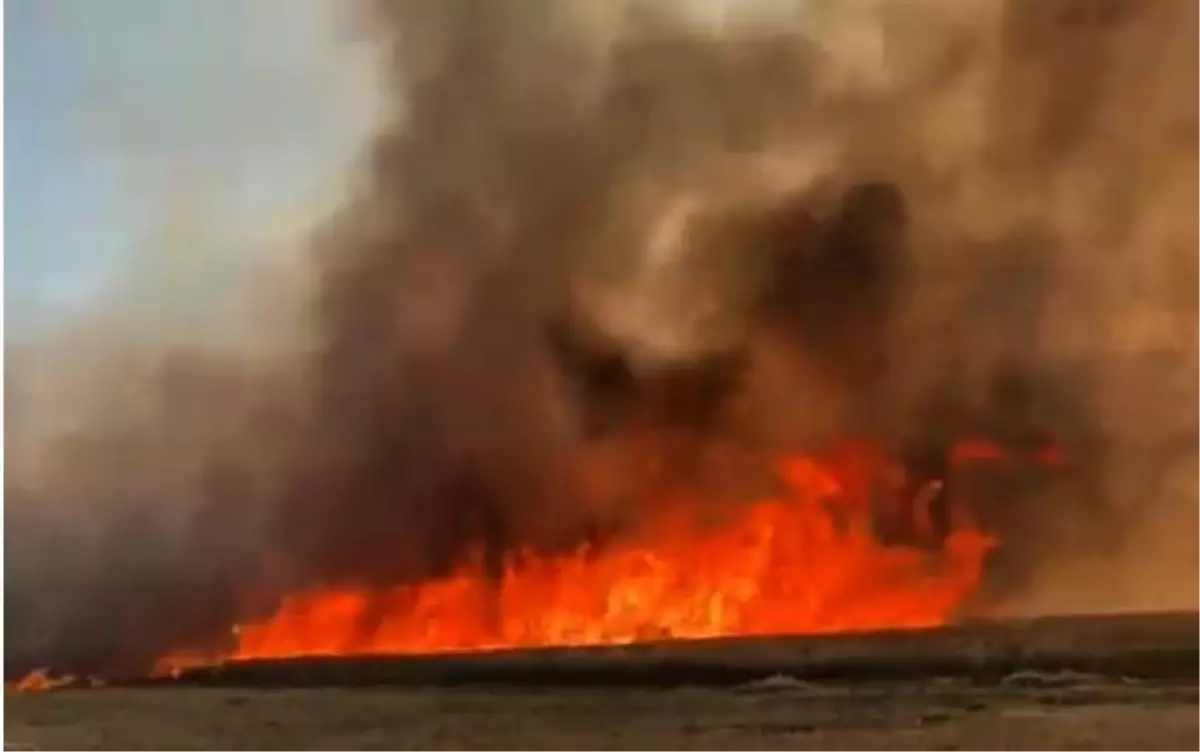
[(539, 151)]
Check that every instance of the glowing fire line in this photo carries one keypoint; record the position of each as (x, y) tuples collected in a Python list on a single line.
[(806, 563)]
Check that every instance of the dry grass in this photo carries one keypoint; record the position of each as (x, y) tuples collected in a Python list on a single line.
[(778, 715)]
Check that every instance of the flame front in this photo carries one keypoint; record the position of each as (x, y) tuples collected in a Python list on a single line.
[(805, 563), (41, 680)]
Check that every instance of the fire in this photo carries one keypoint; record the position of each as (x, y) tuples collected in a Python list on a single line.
[(806, 562), (40, 680)]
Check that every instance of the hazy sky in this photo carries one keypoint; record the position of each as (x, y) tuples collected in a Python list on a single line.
[(130, 122)]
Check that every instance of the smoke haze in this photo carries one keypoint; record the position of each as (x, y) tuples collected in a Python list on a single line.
[(402, 407)]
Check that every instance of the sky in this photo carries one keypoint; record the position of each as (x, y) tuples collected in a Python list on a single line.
[(138, 129), (145, 133)]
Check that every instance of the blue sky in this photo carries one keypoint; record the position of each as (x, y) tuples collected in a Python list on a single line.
[(122, 116)]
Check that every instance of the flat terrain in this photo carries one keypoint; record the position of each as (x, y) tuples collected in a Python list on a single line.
[(1083, 683), (1055, 713)]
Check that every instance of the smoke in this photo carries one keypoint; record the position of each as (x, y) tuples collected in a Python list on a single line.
[(540, 152)]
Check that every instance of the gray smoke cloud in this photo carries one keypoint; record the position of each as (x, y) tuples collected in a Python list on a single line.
[(537, 152)]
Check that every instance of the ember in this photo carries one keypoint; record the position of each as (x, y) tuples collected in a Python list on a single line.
[(804, 563)]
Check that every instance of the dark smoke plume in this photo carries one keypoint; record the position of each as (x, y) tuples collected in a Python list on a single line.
[(541, 154)]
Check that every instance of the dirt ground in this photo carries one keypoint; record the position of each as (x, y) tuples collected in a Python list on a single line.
[(1023, 712)]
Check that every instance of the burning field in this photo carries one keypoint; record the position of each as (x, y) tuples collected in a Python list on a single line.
[(642, 325), (774, 567)]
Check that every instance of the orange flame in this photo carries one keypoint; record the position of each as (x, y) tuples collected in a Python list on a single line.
[(40, 680), (801, 564)]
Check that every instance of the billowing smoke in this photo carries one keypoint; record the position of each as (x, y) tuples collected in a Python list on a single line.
[(542, 155)]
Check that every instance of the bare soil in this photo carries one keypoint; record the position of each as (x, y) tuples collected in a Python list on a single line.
[(1126, 682), (1046, 712)]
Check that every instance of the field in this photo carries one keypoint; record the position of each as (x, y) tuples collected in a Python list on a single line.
[(781, 717), (1084, 684)]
